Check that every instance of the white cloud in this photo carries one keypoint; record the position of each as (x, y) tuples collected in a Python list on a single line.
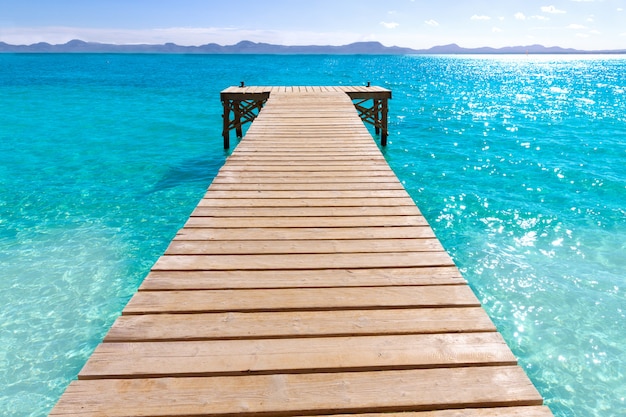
[(619, 9), (552, 9), (390, 25), (576, 26), (582, 35), (481, 17), (432, 23), (522, 16), (595, 32), (496, 30)]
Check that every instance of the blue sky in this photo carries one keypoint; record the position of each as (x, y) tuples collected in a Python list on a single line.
[(583, 24)]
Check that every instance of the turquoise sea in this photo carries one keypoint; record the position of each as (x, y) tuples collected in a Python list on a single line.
[(518, 163)]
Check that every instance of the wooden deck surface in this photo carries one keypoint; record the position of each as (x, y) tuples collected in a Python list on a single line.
[(306, 282)]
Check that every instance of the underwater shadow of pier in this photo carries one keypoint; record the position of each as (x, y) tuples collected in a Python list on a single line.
[(195, 170)]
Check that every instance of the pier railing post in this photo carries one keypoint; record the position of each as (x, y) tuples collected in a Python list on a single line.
[(237, 121), (226, 123), (383, 122), (377, 115)]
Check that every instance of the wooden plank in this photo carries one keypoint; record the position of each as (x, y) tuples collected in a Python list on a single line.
[(245, 357), (280, 174), (305, 168), (298, 171), (229, 174), (272, 325), (270, 159), (305, 233), (300, 299), (302, 261), (234, 201), (350, 125), (529, 411), (307, 154), (320, 134), (245, 153), (304, 211), (251, 148), (405, 390), (264, 139), (311, 194), (310, 186), (251, 247), (202, 280), (293, 222), (311, 164), (317, 115)]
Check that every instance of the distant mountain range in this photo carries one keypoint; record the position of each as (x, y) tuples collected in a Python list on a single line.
[(247, 47)]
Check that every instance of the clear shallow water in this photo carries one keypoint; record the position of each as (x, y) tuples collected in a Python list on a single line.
[(517, 162)]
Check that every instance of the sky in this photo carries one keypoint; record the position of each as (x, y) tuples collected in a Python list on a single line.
[(581, 24)]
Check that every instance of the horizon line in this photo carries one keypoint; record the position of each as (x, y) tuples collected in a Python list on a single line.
[(559, 49)]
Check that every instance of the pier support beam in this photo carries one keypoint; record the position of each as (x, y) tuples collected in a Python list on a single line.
[(245, 103), (376, 114), (245, 107)]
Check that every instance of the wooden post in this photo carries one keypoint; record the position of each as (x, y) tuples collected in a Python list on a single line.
[(384, 111), (377, 115), (226, 123), (237, 109)]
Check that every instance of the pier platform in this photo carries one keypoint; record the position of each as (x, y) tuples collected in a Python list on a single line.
[(306, 282)]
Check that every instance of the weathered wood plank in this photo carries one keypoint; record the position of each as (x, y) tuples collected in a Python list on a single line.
[(406, 390), (234, 201), (222, 326), (281, 146), (528, 411), (251, 247), (302, 261), (311, 164), (314, 134), (274, 151), (302, 167), (307, 160), (294, 222), (204, 280), (309, 299), (305, 233), (372, 89), (310, 186), (237, 357), (309, 127), (304, 211), (269, 177), (310, 138)]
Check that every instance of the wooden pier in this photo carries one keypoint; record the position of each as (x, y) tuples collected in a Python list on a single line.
[(245, 103), (306, 282)]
